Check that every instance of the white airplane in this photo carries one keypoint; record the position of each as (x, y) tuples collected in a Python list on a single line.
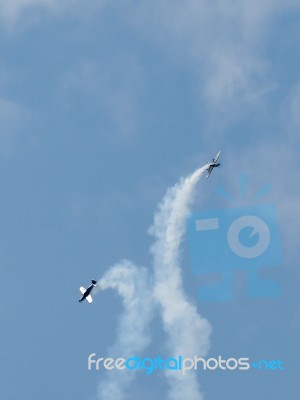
[(213, 164), (86, 292)]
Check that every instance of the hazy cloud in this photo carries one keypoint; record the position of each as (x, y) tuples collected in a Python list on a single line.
[(225, 42), (115, 88), (12, 115)]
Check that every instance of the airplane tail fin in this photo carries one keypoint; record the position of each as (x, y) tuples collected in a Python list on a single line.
[(94, 282)]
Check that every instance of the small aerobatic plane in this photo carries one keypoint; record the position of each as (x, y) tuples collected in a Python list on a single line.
[(213, 164), (86, 292)]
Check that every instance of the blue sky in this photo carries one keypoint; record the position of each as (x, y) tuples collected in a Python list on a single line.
[(102, 108)]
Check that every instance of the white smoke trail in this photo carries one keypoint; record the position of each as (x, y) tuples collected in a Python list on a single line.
[(133, 286), (188, 333)]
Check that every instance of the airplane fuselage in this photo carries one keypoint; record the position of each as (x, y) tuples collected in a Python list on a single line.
[(87, 291), (213, 164)]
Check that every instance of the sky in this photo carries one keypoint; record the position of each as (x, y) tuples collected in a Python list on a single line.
[(103, 107)]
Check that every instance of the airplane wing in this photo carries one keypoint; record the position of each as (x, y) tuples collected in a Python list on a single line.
[(209, 170), (217, 156), (82, 289), (89, 299), (208, 174)]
